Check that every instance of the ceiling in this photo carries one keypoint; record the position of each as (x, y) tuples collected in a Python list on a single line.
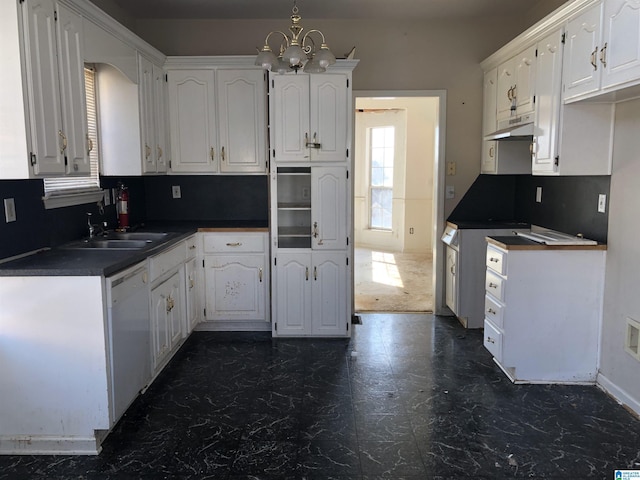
[(319, 9)]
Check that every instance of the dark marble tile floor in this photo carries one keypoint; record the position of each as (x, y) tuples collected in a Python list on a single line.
[(408, 397)]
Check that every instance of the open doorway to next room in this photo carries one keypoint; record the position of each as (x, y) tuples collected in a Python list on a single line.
[(395, 153)]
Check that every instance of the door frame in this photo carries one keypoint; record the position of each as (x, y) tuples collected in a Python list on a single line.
[(438, 251)]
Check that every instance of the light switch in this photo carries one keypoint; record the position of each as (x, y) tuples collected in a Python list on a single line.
[(176, 192), (538, 194), (451, 168), (449, 192)]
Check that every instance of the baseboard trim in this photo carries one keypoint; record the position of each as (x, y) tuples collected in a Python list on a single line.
[(620, 395), (48, 445)]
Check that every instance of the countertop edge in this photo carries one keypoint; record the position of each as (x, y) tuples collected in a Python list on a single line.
[(520, 243)]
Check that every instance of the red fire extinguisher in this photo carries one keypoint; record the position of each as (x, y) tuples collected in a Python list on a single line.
[(123, 207)]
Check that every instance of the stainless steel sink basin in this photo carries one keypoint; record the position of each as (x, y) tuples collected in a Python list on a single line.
[(153, 236), (108, 244)]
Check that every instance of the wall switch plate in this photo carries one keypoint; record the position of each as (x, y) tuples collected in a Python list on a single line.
[(602, 203), (538, 194), (9, 210), (176, 192)]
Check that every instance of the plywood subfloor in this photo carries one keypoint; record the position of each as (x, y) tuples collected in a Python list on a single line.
[(393, 282)]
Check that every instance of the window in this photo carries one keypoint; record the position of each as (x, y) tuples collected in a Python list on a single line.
[(65, 191), (381, 159)]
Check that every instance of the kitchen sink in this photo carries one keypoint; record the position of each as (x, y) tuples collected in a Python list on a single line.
[(153, 236), (108, 244)]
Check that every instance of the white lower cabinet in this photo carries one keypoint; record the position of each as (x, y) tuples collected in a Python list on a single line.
[(310, 294), (543, 309), (236, 280), (192, 306), (167, 309)]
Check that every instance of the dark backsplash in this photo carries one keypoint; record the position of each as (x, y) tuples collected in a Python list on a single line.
[(204, 199), (569, 204)]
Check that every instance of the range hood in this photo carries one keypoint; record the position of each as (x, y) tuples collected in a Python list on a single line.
[(514, 128)]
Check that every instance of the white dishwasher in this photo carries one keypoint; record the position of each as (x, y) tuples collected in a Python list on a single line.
[(129, 336)]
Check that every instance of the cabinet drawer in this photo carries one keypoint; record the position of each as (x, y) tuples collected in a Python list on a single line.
[(494, 285), (493, 340), (167, 260), (234, 243), (496, 260), (191, 246), (493, 311)]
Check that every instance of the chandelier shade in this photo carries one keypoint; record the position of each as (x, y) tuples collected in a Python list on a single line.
[(296, 51)]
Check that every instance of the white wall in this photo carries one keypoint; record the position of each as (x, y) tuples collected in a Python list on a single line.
[(413, 192), (622, 282)]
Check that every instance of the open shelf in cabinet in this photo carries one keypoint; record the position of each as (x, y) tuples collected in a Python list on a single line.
[(294, 207)]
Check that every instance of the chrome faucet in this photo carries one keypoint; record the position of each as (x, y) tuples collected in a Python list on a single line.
[(95, 229)]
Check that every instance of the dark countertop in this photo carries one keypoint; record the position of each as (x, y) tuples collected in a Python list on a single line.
[(486, 224), (516, 242), (60, 261)]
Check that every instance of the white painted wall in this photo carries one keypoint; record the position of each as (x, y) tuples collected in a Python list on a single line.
[(620, 370), (413, 190)]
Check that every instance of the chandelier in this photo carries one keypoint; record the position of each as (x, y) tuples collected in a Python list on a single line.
[(296, 53)]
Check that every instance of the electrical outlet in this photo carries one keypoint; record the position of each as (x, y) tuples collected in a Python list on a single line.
[(602, 203), (9, 210), (411, 230), (176, 192), (538, 194), (449, 192)]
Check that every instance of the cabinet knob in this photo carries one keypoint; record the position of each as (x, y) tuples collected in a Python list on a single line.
[(315, 230), (593, 59), (63, 138), (222, 154), (212, 153)]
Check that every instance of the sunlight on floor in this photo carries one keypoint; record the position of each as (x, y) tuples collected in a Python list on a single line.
[(385, 270)]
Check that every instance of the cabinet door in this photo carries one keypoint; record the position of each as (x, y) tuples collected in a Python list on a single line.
[(548, 93), (620, 52), (291, 117), (292, 288), (328, 117), (451, 285), (191, 299), (329, 208), (580, 70), (160, 116), (506, 84), (43, 88), (489, 123), (194, 143), (329, 294), (489, 157), (235, 287), (242, 119), (72, 91), (175, 308), (159, 325), (525, 68), (147, 114)]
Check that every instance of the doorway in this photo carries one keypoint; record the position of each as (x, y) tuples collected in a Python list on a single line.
[(398, 141)]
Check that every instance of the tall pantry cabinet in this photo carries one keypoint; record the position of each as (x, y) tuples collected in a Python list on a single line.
[(310, 118)]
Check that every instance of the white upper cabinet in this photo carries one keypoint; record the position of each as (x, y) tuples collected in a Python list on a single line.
[(153, 111), (603, 50), (242, 116), (516, 82), (47, 134), (218, 120), (310, 117), (620, 55), (548, 99), (194, 139), (581, 64)]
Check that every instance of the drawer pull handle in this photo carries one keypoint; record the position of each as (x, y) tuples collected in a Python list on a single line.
[(492, 311), (494, 259), (490, 340), (306, 273), (493, 285), (260, 275), (234, 244)]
